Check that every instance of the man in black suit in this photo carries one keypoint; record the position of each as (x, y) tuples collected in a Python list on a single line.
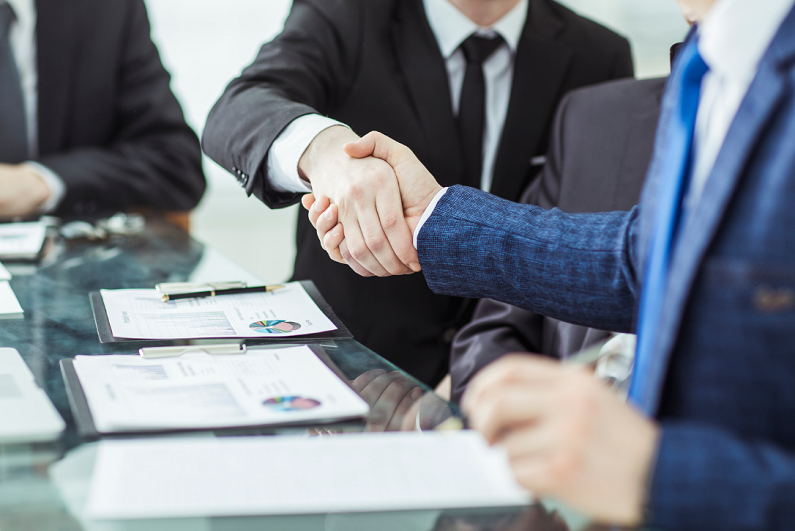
[(469, 85), (599, 153), (88, 122)]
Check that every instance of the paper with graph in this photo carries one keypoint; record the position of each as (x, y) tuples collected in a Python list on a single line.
[(141, 314), (196, 391)]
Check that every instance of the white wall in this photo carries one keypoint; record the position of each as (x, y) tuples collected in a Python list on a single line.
[(205, 43)]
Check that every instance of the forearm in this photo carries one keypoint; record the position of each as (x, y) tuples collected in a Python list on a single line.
[(576, 268), (159, 171), (710, 479)]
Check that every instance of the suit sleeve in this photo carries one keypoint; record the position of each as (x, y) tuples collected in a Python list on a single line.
[(578, 268), (304, 70), (498, 328), (153, 159), (710, 479)]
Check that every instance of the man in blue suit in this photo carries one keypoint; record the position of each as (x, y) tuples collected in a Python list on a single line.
[(704, 269)]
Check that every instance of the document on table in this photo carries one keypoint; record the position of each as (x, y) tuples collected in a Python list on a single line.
[(22, 241), (202, 391), (9, 305), (141, 314), (292, 475), (4, 273)]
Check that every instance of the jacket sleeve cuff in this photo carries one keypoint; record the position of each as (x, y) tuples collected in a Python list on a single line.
[(425, 215)]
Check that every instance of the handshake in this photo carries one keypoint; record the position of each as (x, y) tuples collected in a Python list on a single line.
[(367, 207)]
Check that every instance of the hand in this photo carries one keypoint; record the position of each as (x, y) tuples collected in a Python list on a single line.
[(417, 189), (392, 397), (22, 192), (567, 435), (366, 193)]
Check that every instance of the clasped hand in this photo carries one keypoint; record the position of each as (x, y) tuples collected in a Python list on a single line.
[(369, 223)]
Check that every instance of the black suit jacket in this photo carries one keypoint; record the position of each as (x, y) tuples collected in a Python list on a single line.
[(600, 150), (376, 65), (108, 122)]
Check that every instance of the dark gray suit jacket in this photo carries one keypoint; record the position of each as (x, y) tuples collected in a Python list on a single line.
[(599, 152), (376, 65)]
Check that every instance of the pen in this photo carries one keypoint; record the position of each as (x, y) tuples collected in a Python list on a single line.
[(213, 292), (173, 352)]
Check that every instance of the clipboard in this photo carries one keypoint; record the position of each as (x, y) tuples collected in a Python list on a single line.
[(86, 429), (106, 334)]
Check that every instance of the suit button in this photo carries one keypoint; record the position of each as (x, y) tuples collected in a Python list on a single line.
[(448, 335)]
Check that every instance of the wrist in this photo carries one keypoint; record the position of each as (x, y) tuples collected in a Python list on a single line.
[(325, 147)]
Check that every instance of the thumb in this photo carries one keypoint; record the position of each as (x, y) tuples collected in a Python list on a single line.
[(380, 146)]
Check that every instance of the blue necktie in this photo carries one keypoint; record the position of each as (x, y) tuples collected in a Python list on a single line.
[(674, 175), (13, 128)]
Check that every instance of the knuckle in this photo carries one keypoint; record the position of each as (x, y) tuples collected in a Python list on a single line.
[(389, 221)]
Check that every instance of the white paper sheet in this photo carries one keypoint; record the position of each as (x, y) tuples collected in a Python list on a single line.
[(290, 475), (9, 305), (4, 273), (140, 314), (21, 240), (261, 387)]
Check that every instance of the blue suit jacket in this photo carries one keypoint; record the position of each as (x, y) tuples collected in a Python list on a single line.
[(723, 387)]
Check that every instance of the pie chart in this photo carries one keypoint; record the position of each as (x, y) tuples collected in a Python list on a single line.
[(274, 326)]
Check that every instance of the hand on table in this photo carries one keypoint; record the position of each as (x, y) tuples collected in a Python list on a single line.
[(22, 192), (417, 188), (392, 397), (365, 191), (567, 435)]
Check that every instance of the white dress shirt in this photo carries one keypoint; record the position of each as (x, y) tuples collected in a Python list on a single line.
[(23, 45), (450, 27), (733, 38)]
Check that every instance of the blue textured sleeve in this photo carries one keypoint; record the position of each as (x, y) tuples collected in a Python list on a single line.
[(579, 268), (710, 479)]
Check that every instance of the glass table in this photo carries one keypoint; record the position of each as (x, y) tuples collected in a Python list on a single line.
[(44, 486)]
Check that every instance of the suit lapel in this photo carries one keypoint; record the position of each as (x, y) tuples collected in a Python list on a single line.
[(425, 73), (55, 38), (765, 95), (540, 67)]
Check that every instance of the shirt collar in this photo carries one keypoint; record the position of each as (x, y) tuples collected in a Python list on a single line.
[(735, 35), (451, 27)]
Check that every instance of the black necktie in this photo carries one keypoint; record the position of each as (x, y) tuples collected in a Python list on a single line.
[(472, 110), (13, 130)]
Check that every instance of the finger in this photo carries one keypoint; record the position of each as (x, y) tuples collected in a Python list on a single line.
[(334, 238), (364, 379), (528, 441), (307, 200), (372, 392), (359, 252), (399, 420), (388, 403), (504, 409), (379, 245), (353, 264), (524, 368), (327, 220), (401, 240), (380, 146), (321, 204)]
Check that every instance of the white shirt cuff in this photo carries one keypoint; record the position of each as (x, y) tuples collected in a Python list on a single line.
[(288, 148), (427, 214), (53, 182)]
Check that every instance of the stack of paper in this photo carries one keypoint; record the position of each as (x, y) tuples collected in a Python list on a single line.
[(201, 391), (22, 241), (9, 305), (289, 475)]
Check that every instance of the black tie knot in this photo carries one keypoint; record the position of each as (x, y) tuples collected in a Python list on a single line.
[(477, 48), (7, 16)]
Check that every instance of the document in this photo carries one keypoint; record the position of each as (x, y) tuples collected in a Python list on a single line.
[(21, 241), (4, 273), (202, 391), (9, 305), (141, 314), (292, 475)]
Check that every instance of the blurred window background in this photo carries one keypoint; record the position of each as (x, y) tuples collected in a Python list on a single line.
[(206, 43)]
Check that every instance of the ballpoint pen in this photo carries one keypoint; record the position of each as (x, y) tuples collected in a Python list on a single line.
[(212, 292)]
